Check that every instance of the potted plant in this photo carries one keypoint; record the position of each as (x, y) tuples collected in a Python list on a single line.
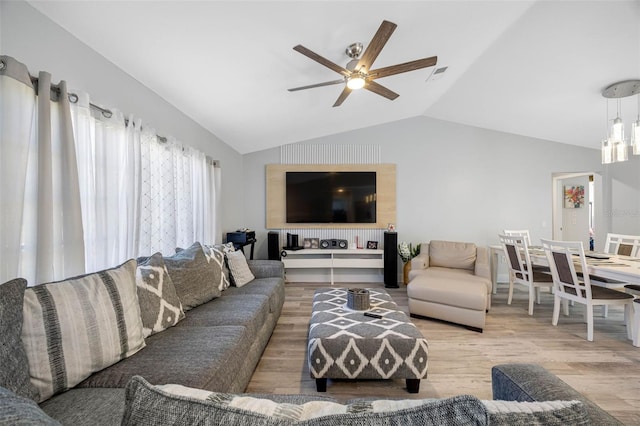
[(407, 252)]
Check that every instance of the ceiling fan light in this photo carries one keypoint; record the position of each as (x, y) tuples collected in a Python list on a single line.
[(355, 82)]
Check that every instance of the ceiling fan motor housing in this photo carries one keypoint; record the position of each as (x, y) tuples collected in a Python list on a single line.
[(354, 50)]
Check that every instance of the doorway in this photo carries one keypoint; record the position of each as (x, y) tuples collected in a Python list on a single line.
[(574, 221)]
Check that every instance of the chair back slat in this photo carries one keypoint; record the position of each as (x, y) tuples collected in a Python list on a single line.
[(625, 249), (516, 250), (514, 258)]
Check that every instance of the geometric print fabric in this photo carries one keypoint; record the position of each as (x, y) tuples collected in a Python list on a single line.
[(344, 343), (216, 253), (160, 306)]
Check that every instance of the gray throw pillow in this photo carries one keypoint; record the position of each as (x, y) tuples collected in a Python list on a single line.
[(216, 254), (239, 268), (16, 410), (160, 305), (543, 413), (174, 404), (14, 373), (193, 277)]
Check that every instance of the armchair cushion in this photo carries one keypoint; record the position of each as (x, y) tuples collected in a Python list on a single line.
[(449, 254)]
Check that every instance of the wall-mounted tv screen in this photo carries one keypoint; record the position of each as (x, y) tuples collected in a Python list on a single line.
[(331, 197)]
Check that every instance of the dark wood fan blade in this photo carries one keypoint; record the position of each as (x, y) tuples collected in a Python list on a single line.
[(379, 89), (346, 92), (319, 59), (326, 83), (400, 68), (375, 46)]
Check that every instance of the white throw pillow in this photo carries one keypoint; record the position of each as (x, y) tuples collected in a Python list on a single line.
[(239, 268)]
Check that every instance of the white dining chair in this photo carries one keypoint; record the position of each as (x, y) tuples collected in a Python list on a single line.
[(561, 256), (518, 233), (516, 251), (525, 233), (625, 245), (617, 244)]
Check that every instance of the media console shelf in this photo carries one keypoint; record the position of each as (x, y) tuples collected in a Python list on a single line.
[(313, 264)]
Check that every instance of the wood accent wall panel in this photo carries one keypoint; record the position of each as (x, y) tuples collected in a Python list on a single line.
[(276, 197)]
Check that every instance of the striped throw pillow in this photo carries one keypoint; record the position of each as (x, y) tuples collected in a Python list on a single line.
[(76, 327)]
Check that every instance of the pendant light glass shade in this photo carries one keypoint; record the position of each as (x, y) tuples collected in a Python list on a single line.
[(635, 132), (607, 152), (618, 144), (620, 151), (635, 137), (617, 130)]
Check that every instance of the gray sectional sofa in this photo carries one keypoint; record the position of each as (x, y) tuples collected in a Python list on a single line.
[(211, 353), (216, 347)]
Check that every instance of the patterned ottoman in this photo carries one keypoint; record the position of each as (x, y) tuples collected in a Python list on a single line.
[(346, 344)]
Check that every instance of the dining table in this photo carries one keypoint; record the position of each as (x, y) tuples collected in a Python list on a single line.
[(611, 266)]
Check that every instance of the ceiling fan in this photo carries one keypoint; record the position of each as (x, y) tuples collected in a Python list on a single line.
[(358, 73)]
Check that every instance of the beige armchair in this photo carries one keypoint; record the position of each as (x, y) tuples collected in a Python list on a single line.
[(451, 281)]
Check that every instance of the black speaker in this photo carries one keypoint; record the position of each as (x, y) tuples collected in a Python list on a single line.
[(334, 244), (391, 260), (273, 245)]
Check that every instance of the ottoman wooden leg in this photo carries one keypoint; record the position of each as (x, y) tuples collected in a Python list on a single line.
[(413, 385), (321, 385)]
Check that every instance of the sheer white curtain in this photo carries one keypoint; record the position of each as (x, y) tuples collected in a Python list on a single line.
[(118, 192), (176, 190), (141, 193), (41, 235), (108, 157)]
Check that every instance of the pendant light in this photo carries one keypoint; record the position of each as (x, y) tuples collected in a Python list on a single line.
[(615, 148)]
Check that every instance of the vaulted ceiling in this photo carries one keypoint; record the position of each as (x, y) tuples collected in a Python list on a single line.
[(533, 68)]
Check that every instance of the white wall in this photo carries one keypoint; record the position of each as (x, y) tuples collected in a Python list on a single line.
[(454, 181), (42, 45)]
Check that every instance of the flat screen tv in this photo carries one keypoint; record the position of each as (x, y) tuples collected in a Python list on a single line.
[(331, 197)]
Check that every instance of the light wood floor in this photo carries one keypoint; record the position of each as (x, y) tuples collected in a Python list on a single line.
[(606, 370)]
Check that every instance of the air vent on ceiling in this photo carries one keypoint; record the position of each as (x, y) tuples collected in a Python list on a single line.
[(436, 74)]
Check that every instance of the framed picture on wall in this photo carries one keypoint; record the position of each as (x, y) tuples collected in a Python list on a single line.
[(573, 196)]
